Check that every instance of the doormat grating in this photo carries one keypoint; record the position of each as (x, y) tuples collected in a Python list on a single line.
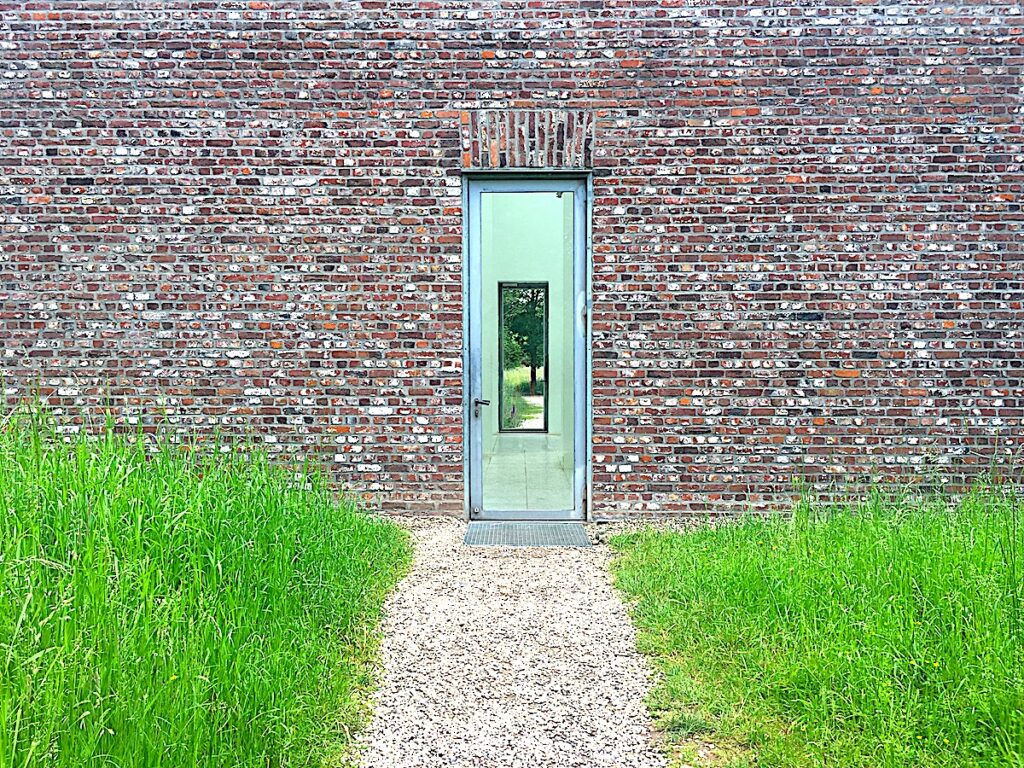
[(526, 535)]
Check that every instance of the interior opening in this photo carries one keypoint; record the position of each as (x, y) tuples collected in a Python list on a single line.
[(527, 350), (523, 357)]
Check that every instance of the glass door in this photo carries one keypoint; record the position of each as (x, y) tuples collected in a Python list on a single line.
[(527, 246)]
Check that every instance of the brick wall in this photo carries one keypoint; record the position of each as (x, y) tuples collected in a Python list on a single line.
[(807, 228)]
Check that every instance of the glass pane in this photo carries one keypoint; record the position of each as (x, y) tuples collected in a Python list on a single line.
[(523, 350), (526, 295)]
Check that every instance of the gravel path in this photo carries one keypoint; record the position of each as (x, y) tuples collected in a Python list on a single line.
[(507, 657)]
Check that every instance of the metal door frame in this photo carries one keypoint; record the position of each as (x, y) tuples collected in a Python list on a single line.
[(473, 184)]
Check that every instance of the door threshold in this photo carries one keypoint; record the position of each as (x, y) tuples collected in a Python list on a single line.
[(528, 516)]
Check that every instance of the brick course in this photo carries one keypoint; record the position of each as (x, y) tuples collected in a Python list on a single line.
[(807, 228)]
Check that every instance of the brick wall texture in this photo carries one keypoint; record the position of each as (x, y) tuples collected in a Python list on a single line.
[(808, 244)]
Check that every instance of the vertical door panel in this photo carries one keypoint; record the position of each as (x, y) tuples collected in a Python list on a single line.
[(527, 355)]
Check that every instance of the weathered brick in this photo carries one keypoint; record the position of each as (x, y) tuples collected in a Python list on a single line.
[(807, 230)]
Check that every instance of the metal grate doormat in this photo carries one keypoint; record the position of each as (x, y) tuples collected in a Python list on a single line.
[(526, 535)]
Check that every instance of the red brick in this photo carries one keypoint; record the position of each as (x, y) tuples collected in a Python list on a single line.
[(794, 275)]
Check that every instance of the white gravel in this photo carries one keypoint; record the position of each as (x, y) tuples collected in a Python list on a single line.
[(507, 657)]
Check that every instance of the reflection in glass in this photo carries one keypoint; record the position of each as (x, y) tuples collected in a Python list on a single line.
[(523, 352)]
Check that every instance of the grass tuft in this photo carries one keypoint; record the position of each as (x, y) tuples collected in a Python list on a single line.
[(180, 607), (881, 633)]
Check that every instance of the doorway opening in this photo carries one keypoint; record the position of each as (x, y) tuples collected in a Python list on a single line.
[(526, 360)]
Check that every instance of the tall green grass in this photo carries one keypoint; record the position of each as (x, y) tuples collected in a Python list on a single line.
[(888, 632), (180, 608)]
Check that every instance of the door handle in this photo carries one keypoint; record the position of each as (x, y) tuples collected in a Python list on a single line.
[(476, 406)]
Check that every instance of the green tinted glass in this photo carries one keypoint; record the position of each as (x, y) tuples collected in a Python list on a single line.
[(527, 350)]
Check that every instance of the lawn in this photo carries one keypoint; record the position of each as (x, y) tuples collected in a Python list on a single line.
[(888, 632), (180, 608), (517, 384)]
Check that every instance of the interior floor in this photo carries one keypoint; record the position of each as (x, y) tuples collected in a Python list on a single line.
[(526, 472)]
